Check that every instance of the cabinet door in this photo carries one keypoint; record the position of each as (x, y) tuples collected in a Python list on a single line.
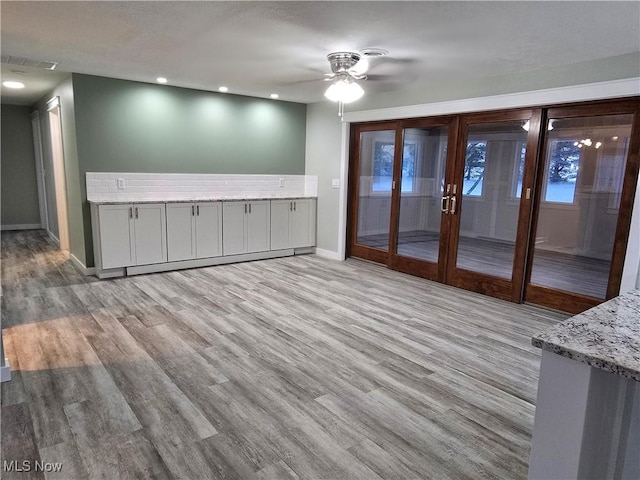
[(233, 228), (280, 219), (117, 247), (181, 241), (303, 223), (150, 233), (208, 229), (258, 231)]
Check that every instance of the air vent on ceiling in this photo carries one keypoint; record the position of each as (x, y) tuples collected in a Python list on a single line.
[(26, 62)]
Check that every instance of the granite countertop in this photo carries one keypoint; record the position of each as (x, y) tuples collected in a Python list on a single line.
[(200, 199), (606, 336)]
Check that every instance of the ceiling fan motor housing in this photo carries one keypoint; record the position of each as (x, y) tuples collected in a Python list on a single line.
[(341, 62)]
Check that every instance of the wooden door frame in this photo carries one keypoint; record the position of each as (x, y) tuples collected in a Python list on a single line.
[(353, 248), (513, 288), (574, 302), (422, 268)]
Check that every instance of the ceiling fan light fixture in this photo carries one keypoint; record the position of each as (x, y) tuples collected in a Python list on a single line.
[(344, 90)]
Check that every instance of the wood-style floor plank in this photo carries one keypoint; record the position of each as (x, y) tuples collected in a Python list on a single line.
[(293, 368)]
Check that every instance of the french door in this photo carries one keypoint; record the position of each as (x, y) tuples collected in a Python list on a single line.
[(442, 198), (510, 204), (587, 178)]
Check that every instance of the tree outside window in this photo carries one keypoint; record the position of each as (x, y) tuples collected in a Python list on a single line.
[(562, 172), (383, 166), (474, 168)]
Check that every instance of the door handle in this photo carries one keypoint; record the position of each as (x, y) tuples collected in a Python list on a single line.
[(294, 206), (198, 210), (193, 210), (245, 208), (453, 204), (130, 212), (249, 208), (291, 206), (136, 212), (444, 204)]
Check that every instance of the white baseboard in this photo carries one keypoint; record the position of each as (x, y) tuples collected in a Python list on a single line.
[(81, 266), (329, 254), (22, 226), (208, 262), (5, 371), (55, 239)]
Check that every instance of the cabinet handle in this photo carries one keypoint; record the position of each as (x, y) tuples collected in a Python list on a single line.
[(245, 208), (198, 210), (249, 208), (193, 210), (291, 206), (130, 212), (453, 205), (136, 212), (294, 206)]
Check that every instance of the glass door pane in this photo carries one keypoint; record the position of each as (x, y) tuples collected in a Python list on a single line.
[(584, 165), (375, 169), (490, 194), (422, 182)]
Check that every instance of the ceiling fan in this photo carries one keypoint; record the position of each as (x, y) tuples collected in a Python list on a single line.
[(346, 68)]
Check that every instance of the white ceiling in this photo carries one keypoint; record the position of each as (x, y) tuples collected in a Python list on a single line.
[(259, 48)]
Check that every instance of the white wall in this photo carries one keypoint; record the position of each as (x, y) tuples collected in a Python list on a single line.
[(323, 158)]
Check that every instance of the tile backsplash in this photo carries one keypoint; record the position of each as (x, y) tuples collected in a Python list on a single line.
[(104, 187)]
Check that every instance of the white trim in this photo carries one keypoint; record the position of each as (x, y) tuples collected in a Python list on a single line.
[(52, 236), (40, 171), (631, 269), (344, 176), (53, 103), (575, 93), (81, 266), (21, 226), (328, 254), (5, 371), (208, 262)]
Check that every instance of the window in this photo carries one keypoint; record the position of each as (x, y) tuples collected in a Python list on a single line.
[(382, 166), (383, 153), (562, 171), (409, 167), (474, 168), (518, 173)]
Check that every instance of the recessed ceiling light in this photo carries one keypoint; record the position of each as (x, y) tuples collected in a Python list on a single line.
[(223, 89), (10, 84), (161, 80), (274, 96)]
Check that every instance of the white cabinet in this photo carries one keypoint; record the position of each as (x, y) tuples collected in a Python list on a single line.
[(245, 227), (194, 230), (132, 234), (208, 229), (117, 240), (293, 223)]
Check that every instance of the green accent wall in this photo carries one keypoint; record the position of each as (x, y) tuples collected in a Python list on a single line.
[(19, 184), (125, 126)]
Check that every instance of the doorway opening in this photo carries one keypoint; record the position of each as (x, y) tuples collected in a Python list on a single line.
[(57, 161)]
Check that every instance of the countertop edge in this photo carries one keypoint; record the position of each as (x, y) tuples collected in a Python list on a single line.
[(590, 360), (191, 200)]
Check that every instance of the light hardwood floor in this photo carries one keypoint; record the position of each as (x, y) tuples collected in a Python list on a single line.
[(290, 368)]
